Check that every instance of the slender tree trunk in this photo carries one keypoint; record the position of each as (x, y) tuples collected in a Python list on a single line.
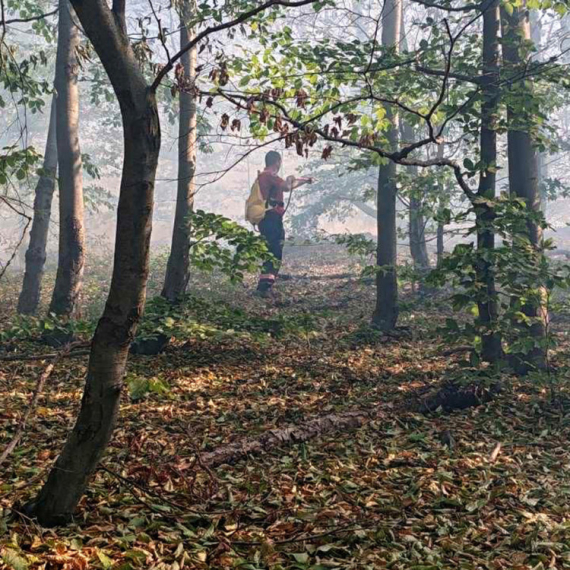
[(523, 161), (485, 266), (178, 268), (71, 230), (440, 248), (36, 254), (386, 314), (542, 164), (99, 408), (418, 246), (440, 231), (416, 220)]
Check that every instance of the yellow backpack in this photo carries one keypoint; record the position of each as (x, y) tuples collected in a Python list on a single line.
[(255, 205)]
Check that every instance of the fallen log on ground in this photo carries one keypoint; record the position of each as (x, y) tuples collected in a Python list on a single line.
[(233, 452), (454, 397)]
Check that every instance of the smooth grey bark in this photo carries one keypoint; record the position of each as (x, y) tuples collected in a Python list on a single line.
[(439, 245), (542, 159), (178, 267), (416, 220), (385, 314), (30, 294), (523, 162), (487, 302), (100, 404), (71, 258)]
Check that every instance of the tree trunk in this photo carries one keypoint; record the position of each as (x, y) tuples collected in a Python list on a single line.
[(440, 248), (485, 266), (542, 164), (178, 268), (386, 314), (416, 221), (36, 254), (523, 161), (71, 231), (440, 231), (418, 246), (100, 404)]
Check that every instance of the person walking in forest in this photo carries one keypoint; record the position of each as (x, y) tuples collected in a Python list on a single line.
[(272, 189)]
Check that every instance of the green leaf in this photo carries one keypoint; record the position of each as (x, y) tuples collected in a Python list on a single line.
[(105, 560), (14, 561)]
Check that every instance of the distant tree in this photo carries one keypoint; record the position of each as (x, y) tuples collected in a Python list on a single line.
[(178, 266), (71, 259), (385, 314), (488, 308), (36, 253), (523, 159)]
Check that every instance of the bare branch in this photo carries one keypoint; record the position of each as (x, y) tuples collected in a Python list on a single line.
[(161, 35), (5, 22), (223, 26), (466, 8), (442, 73)]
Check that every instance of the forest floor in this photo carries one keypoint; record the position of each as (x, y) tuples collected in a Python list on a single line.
[(483, 488)]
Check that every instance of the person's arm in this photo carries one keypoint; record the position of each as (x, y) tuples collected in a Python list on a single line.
[(296, 182)]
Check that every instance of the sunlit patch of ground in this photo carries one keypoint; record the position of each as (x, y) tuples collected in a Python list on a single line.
[(486, 488)]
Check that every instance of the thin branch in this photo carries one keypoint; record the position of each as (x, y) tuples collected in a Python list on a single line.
[(4, 22), (442, 73), (33, 403), (51, 356), (223, 26), (466, 8), (161, 35), (22, 237)]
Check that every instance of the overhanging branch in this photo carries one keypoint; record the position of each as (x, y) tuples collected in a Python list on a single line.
[(220, 27)]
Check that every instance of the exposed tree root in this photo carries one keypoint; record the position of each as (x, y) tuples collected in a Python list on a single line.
[(453, 397), (234, 452)]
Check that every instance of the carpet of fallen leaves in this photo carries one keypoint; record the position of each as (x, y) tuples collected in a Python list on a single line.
[(484, 488)]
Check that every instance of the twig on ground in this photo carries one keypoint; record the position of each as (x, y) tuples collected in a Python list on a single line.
[(51, 356), (33, 402)]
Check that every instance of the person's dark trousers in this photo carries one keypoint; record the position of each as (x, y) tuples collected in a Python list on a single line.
[(271, 228)]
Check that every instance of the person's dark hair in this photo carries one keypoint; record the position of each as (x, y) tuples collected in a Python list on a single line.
[(272, 158)]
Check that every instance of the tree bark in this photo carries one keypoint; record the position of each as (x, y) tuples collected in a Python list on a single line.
[(178, 267), (439, 245), (71, 258), (542, 164), (416, 220), (485, 267), (385, 315), (100, 404), (274, 438), (36, 253), (523, 161)]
